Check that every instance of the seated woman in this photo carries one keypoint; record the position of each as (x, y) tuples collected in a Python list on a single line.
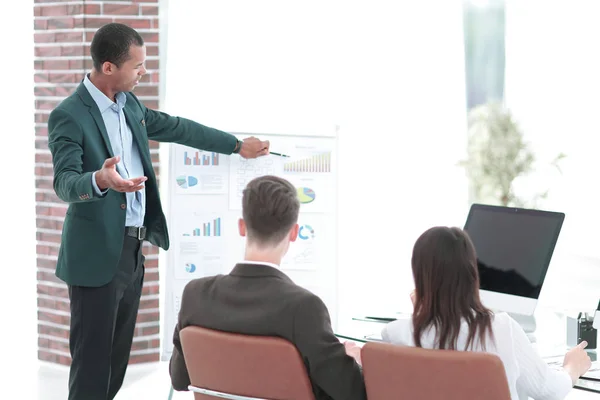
[(448, 314)]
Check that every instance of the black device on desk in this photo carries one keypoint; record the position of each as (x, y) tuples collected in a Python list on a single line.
[(580, 329)]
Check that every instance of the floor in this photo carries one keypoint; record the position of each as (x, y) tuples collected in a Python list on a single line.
[(150, 381)]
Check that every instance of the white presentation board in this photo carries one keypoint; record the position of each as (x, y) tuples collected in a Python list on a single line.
[(205, 191)]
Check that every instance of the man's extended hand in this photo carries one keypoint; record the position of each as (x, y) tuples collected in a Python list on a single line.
[(253, 147), (353, 350), (109, 178)]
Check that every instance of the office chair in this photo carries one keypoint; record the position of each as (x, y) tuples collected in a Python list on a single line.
[(393, 372), (243, 367)]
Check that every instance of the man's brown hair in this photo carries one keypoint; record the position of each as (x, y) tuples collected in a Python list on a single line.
[(270, 209)]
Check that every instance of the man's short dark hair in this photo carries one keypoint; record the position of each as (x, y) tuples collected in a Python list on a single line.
[(270, 208), (112, 42)]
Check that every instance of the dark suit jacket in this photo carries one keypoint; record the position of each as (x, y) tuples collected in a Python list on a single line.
[(93, 229), (262, 300)]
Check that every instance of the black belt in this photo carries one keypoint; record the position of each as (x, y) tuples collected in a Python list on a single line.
[(137, 232)]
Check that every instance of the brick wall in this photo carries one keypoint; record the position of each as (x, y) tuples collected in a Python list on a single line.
[(63, 32)]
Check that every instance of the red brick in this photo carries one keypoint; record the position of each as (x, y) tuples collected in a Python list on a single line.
[(148, 330), (151, 64), (145, 344), (65, 77), (55, 64), (53, 331), (69, 51), (91, 9), (44, 37), (76, 64), (44, 223), (151, 51), (40, 24), (65, 23), (42, 157), (121, 9), (155, 77), (41, 130), (42, 143), (53, 304), (152, 104), (135, 23), (144, 358), (148, 290), (151, 277), (40, 77), (69, 37), (155, 23), (47, 51), (149, 10), (45, 250), (51, 212), (46, 104), (44, 263), (149, 37), (41, 118), (94, 22), (64, 84), (47, 277), (48, 197), (56, 91), (54, 318), (59, 345), (149, 249), (150, 303), (147, 317), (53, 290), (53, 11), (146, 91)]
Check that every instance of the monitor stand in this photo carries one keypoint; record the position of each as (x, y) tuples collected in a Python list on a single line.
[(527, 322)]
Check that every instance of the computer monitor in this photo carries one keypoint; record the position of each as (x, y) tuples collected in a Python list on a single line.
[(514, 247)]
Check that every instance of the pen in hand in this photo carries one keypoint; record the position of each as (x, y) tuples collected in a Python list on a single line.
[(278, 154)]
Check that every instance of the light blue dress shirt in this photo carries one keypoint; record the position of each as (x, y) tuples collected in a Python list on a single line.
[(123, 144)]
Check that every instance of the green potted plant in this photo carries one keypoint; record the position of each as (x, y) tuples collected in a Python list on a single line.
[(497, 154)]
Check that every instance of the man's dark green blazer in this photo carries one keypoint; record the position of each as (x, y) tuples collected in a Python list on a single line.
[(94, 226)]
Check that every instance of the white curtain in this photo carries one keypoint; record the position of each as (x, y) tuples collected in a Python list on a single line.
[(390, 74), (552, 86)]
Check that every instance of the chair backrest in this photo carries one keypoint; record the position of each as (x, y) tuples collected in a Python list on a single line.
[(243, 365), (393, 372)]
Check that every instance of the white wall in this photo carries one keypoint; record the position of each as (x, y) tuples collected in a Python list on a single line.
[(391, 76), (17, 235), (552, 86)]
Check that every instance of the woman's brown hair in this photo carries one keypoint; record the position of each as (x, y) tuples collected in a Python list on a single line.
[(444, 266)]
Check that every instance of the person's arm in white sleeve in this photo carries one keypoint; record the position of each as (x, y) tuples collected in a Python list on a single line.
[(536, 378)]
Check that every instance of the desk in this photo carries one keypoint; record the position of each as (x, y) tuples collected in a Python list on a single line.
[(550, 340)]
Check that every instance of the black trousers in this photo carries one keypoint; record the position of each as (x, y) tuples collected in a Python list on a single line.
[(102, 326)]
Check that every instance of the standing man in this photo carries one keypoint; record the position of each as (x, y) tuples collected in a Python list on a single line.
[(98, 137)]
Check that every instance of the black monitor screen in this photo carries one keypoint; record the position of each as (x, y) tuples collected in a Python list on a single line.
[(514, 247)]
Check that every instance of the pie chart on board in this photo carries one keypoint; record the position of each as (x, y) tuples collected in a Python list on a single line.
[(191, 268), (186, 181), (305, 195)]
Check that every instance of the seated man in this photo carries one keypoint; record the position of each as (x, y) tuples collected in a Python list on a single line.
[(256, 298)]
